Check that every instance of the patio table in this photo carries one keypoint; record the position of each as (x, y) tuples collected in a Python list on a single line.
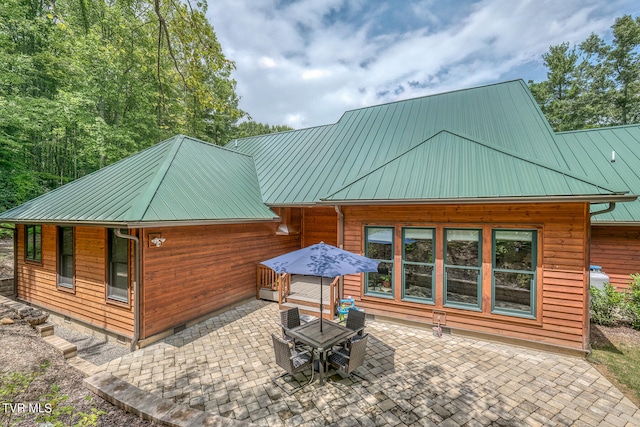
[(332, 334)]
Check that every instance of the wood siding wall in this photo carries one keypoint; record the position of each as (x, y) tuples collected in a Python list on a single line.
[(37, 282), (202, 269), (617, 250), (561, 318), (319, 224)]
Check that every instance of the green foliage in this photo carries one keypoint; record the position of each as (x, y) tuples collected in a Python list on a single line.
[(85, 83), (605, 305), (622, 359), (14, 387), (632, 304), (593, 84), (62, 415), (251, 128)]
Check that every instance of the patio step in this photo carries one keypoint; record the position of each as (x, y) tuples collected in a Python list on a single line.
[(45, 329), (306, 309), (67, 349)]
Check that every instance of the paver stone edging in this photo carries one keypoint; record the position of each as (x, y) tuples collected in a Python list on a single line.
[(149, 407)]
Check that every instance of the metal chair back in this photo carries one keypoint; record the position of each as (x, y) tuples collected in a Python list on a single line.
[(355, 320), (348, 360)]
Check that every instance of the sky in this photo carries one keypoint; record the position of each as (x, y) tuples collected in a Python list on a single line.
[(304, 63)]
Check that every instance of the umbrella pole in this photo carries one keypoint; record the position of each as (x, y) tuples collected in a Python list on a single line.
[(321, 301)]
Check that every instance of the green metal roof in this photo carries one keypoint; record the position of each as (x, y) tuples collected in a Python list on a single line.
[(309, 165), (589, 152), (452, 167), (181, 179)]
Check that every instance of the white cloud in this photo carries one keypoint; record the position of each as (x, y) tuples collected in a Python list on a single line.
[(315, 74), (305, 63), (266, 62)]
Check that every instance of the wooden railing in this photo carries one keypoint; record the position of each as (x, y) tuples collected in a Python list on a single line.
[(265, 278), (284, 287), (334, 296)]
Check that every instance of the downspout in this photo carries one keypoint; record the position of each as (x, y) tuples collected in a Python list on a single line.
[(136, 289), (340, 243), (612, 206), (15, 258)]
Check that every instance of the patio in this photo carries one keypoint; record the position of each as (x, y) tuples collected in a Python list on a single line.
[(224, 366)]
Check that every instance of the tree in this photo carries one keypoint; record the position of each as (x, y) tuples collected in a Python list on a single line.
[(84, 83), (251, 128), (559, 94), (594, 84)]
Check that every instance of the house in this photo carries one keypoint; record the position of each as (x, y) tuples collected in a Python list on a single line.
[(479, 222), (610, 155)]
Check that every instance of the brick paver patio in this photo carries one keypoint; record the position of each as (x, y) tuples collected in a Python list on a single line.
[(224, 366)]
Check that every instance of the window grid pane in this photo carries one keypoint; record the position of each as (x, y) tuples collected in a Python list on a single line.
[(379, 246), (65, 257), (418, 266), (463, 268), (118, 281), (514, 272), (33, 243)]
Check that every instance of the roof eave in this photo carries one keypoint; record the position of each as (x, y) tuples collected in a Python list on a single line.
[(482, 200), (610, 223), (145, 224)]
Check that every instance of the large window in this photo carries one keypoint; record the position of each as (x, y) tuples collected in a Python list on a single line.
[(65, 257), (463, 268), (33, 243), (379, 246), (514, 272), (118, 268), (418, 264)]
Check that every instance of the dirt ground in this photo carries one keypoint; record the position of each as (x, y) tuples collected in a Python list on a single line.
[(21, 350)]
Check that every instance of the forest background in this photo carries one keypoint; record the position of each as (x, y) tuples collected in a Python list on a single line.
[(85, 83)]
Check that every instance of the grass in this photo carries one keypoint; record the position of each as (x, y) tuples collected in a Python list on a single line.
[(622, 361)]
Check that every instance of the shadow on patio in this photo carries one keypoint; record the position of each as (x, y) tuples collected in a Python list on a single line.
[(225, 366)]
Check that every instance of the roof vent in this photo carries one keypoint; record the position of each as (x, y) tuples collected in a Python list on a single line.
[(613, 157)]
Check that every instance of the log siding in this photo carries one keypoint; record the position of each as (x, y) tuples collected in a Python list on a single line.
[(37, 282), (319, 224), (201, 269), (561, 298), (617, 250)]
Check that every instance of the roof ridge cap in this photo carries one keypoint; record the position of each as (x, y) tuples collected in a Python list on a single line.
[(139, 210), (215, 146)]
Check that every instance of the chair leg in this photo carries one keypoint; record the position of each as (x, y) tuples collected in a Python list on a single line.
[(295, 388), (356, 374)]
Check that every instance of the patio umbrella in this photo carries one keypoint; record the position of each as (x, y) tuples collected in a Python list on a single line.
[(321, 260)]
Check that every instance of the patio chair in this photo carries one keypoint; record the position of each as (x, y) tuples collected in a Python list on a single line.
[(289, 319), (347, 360), (355, 321), (292, 361)]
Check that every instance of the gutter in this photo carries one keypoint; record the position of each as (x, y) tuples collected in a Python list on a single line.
[(479, 200), (136, 286), (15, 258), (340, 243)]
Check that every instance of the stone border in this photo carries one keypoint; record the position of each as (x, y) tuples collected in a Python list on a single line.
[(149, 407), (6, 287)]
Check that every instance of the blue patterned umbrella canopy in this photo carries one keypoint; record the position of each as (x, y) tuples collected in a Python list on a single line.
[(321, 260)]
